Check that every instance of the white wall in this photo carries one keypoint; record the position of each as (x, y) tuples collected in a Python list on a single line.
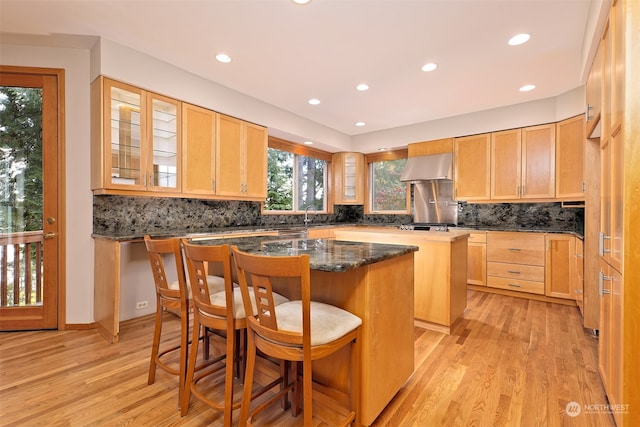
[(527, 114), (79, 203)]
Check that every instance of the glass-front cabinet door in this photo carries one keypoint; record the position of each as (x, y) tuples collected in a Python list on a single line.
[(124, 135), (141, 139), (164, 143)]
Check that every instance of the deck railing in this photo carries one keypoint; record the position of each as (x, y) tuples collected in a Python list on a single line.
[(21, 268)]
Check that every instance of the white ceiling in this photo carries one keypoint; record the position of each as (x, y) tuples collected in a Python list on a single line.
[(285, 54)]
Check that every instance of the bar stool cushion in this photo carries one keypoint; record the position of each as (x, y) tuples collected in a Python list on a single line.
[(219, 299), (328, 323), (216, 284)]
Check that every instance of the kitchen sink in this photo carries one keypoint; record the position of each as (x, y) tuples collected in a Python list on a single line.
[(294, 233)]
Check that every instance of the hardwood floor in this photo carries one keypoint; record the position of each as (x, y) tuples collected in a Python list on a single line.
[(510, 362)]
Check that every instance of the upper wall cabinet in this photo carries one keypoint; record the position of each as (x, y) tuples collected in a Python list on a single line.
[(506, 165), (242, 158), (523, 163), (538, 162), (472, 165), (570, 159), (199, 150), (348, 178), (143, 142), (136, 139)]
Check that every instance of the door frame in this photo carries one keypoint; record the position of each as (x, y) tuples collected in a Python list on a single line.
[(60, 180)]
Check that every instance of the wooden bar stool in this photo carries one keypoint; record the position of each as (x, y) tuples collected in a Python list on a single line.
[(222, 311), (298, 331), (175, 297)]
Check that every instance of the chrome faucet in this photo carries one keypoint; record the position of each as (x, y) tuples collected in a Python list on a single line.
[(306, 216)]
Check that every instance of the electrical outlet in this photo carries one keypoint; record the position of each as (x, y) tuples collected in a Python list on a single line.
[(142, 304)]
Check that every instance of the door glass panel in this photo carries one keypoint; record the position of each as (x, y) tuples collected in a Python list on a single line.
[(21, 197), (165, 150), (125, 137)]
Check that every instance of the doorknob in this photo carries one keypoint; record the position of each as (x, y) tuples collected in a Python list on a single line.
[(49, 235), (51, 220)]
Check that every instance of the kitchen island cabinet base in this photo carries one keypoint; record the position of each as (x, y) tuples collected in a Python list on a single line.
[(377, 293)]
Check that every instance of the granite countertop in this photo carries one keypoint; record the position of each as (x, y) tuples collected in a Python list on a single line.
[(518, 229), (324, 254), (130, 236)]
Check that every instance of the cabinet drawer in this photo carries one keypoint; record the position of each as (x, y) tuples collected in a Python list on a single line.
[(516, 285), (516, 248), (516, 271), (477, 237)]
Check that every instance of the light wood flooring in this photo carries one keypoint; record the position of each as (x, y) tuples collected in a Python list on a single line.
[(510, 362)]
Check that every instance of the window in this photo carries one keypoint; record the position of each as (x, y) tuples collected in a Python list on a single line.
[(295, 182), (387, 193)]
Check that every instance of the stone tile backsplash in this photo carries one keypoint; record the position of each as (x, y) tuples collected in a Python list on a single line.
[(535, 216), (139, 215)]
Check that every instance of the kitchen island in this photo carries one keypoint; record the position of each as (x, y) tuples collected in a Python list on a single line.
[(373, 281), (440, 275)]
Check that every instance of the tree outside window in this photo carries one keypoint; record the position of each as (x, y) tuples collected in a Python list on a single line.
[(294, 182), (388, 193)]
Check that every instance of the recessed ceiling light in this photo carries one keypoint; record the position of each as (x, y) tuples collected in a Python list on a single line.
[(223, 57), (360, 123), (314, 101), (429, 67), (527, 88), (519, 39), (362, 87), (308, 143), (301, 1)]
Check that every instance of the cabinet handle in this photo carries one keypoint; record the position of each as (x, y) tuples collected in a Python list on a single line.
[(213, 184), (514, 285), (514, 249), (587, 113), (513, 272), (601, 239), (601, 290), (577, 291)]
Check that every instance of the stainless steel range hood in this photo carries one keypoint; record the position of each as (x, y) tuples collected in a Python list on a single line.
[(425, 168)]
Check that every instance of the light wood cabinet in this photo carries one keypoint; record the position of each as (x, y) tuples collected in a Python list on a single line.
[(559, 265), (577, 274), (506, 165), (472, 177), (440, 274), (618, 172), (538, 162), (570, 159), (523, 163), (610, 346), (199, 150), (593, 93), (348, 178), (136, 139), (515, 261), (427, 148), (477, 259), (241, 153)]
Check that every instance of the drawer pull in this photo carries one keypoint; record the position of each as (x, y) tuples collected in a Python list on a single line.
[(513, 272), (514, 249), (514, 285)]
